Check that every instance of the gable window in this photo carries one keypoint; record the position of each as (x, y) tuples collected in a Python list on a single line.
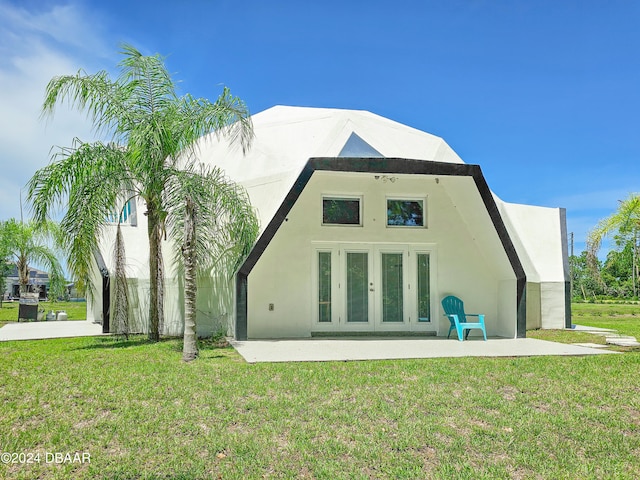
[(126, 216), (405, 213), (341, 211)]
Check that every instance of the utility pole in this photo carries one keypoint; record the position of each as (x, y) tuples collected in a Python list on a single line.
[(633, 263), (571, 237)]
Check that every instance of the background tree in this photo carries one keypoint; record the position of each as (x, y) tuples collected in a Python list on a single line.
[(624, 224), (5, 264), (151, 127), (585, 279), (28, 244), (618, 269), (215, 227)]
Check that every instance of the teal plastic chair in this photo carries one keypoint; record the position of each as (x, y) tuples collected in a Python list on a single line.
[(454, 310)]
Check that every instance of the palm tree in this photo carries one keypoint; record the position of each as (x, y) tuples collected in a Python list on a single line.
[(215, 226), (28, 243), (151, 128), (625, 221)]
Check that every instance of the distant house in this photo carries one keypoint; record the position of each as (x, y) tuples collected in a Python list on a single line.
[(365, 225), (38, 282)]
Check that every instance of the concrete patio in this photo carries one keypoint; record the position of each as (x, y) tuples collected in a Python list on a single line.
[(350, 348), (335, 348)]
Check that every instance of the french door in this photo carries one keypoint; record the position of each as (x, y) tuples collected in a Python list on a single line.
[(366, 287)]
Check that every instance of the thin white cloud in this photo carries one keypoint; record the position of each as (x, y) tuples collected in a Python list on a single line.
[(66, 26), (34, 47), (605, 200), (585, 210)]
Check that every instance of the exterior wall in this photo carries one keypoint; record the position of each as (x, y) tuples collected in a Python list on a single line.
[(507, 310), (94, 298), (546, 305), (215, 305), (539, 235), (534, 311), (553, 305), (471, 262), (213, 301)]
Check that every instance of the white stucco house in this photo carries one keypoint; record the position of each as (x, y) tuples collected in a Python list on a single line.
[(366, 224)]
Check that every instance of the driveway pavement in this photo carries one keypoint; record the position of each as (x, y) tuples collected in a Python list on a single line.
[(56, 329)]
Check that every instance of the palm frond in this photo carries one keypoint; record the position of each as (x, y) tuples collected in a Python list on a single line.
[(102, 99), (154, 128), (151, 85), (89, 180), (228, 117), (227, 224), (625, 220)]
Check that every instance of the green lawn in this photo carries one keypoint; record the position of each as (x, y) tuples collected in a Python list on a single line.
[(75, 310), (139, 412), (623, 318)]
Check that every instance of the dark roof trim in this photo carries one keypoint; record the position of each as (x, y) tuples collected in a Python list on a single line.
[(398, 166), (106, 291), (102, 265), (278, 218), (565, 266)]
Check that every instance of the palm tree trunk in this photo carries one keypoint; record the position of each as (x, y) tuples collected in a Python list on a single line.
[(121, 294), (190, 348), (155, 275), (23, 273)]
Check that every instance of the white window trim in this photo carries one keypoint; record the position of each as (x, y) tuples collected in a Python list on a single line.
[(425, 216), (338, 298)]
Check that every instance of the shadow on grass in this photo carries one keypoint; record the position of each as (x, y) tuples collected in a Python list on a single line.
[(210, 349), (214, 344), (113, 342), (207, 343), (621, 349)]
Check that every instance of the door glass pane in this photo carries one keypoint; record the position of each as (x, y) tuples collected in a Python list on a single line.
[(324, 286), (424, 298), (392, 307), (357, 287)]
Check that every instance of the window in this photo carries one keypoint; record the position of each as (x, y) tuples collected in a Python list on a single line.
[(324, 287), (341, 211), (357, 287), (127, 215), (424, 289), (392, 287), (405, 213)]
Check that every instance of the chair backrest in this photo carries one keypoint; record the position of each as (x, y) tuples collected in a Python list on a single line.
[(454, 306)]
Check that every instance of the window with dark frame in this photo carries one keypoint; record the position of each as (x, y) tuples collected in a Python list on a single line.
[(341, 211)]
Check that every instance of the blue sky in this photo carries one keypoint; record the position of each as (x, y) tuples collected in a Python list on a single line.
[(544, 96)]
